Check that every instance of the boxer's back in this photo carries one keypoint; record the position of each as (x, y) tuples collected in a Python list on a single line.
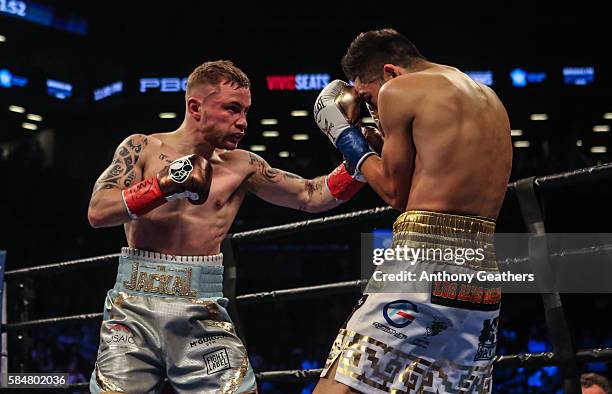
[(463, 155)]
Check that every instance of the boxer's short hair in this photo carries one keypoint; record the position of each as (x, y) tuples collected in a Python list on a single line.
[(216, 72), (590, 379), (371, 50)]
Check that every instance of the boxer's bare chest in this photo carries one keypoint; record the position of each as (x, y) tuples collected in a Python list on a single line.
[(181, 226)]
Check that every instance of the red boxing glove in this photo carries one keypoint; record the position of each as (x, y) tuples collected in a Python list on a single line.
[(143, 197), (188, 177), (341, 183)]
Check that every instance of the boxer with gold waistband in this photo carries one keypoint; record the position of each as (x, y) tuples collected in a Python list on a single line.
[(177, 195), (445, 164)]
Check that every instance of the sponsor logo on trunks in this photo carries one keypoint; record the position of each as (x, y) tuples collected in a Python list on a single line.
[(434, 328), (487, 341), (207, 340), (389, 330), (465, 296), (216, 361), (119, 336), (399, 313)]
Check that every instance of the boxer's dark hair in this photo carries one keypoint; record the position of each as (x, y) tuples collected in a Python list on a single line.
[(371, 50), (218, 71), (590, 379)]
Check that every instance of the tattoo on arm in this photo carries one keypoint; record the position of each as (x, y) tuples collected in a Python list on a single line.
[(121, 173), (314, 186), (268, 173)]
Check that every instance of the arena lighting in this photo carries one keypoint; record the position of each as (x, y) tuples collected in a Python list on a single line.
[(602, 128), (167, 115), (607, 115), (34, 117), (538, 117), (16, 108), (8, 79), (516, 132), (29, 126), (268, 122), (283, 153), (258, 148), (299, 113), (521, 144), (108, 90), (300, 137), (521, 78), (2, 38), (599, 149), (43, 14), (579, 143), (578, 75), (270, 133), (485, 77), (59, 89)]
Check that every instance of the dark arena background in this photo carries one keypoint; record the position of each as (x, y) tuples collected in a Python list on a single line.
[(77, 78)]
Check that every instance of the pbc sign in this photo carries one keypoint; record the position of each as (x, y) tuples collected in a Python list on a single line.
[(297, 81), (163, 84)]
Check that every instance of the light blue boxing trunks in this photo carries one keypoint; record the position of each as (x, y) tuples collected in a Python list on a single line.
[(166, 317)]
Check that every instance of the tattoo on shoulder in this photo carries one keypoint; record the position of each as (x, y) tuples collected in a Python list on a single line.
[(268, 173), (164, 158), (121, 172)]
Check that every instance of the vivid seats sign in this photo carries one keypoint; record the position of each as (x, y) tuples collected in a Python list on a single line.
[(297, 81)]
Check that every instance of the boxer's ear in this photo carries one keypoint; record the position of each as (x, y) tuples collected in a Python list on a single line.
[(391, 71), (193, 108)]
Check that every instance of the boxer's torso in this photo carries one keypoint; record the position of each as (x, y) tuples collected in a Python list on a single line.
[(463, 151), (181, 228)]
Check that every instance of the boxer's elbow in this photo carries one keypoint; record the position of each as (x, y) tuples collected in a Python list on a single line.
[(94, 218), (97, 216), (395, 197)]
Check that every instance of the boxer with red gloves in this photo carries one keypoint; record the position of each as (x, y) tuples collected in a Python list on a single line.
[(177, 194), (186, 177)]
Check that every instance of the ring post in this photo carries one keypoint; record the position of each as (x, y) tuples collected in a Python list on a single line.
[(561, 338)]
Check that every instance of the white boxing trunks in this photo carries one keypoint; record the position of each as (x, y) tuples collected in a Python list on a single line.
[(166, 317), (439, 341)]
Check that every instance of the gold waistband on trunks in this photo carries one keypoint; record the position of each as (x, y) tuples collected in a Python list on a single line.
[(439, 223), (437, 230)]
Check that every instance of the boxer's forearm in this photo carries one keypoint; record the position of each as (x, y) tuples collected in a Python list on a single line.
[(107, 209), (318, 196), (384, 184)]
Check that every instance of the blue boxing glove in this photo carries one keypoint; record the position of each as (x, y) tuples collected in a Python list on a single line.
[(337, 114)]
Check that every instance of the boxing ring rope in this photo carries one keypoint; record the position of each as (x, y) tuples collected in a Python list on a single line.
[(564, 353)]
